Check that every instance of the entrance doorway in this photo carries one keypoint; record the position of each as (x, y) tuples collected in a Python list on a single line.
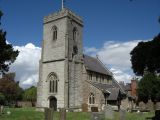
[(53, 102)]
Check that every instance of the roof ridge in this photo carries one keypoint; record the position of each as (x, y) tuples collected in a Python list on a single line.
[(95, 65), (104, 65)]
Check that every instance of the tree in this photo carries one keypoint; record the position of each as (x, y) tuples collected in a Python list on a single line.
[(10, 88), (7, 53), (30, 94), (145, 59), (148, 88), (146, 56)]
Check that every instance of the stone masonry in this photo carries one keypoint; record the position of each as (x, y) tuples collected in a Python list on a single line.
[(68, 78)]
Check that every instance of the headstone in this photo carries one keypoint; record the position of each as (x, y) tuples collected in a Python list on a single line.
[(158, 106), (62, 114), (108, 112), (48, 113), (0, 110), (140, 114), (122, 114), (96, 116)]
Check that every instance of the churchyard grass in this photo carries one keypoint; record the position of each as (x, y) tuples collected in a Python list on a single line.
[(32, 114), (133, 116), (21, 114)]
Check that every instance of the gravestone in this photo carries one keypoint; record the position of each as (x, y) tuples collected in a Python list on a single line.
[(62, 114), (96, 116), (48, 113), (158, 106), (140, 114), (122, 114), (108, 112), (1, 109)]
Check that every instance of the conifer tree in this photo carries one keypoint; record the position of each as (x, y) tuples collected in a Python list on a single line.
[(7, 53)]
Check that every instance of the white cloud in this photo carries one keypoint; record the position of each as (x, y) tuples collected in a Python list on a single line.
[(116, 55), (90, 50), (113, 54), (119, 75), (27, 64)]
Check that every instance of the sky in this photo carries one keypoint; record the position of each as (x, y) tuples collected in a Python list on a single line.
[(112, 28)]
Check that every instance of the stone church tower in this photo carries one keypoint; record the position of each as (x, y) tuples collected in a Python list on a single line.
[(61, 64)]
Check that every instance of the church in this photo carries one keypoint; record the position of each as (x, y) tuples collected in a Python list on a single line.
[(67, 77)]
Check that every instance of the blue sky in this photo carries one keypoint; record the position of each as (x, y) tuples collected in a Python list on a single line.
[(112, 28), (119, 20)]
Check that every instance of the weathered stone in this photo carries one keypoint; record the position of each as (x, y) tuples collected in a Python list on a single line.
[(48, 114), (62, 114), (97, 116), (108, 112), (1, 109), (57, 57), (64, 58), (122, 115)]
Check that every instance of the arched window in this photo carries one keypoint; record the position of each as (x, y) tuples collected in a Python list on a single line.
[(74, 33), (54, 32), (53, 83), (91, 99)]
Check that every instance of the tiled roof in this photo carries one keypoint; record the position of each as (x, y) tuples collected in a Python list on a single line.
[(107, 88), (95, 65), (102, 87), (114, 93), (116, 84)]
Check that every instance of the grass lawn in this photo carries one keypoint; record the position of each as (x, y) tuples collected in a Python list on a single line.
[(32, 114)]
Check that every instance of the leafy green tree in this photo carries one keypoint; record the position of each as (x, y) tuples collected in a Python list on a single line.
[(7, 53), (30, 94), (10, 88), (146, 56), (148, 88)]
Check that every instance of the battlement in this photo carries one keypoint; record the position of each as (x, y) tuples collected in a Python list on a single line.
[(61, 14)]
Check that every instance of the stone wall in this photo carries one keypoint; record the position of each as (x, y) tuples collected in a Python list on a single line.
[(88, 89)]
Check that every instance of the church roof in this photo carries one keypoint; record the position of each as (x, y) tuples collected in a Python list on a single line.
[(117, 85), (102, 87), (95, 65), (113, 91)]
